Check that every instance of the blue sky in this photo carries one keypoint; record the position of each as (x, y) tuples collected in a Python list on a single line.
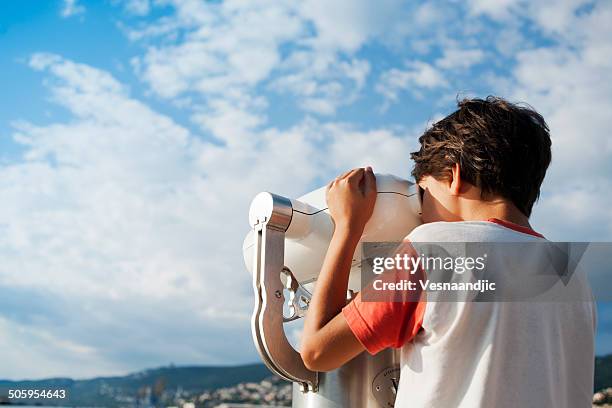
[(134, 133)]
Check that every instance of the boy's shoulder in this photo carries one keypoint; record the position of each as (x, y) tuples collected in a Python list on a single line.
[(467, 231), (435, 231)]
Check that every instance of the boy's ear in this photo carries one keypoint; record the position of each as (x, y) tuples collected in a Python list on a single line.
[(455, 182)]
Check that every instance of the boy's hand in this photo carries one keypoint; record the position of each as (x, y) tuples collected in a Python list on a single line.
[(351, 198)]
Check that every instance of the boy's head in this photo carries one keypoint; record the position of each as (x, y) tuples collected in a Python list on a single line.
[(495, 149)]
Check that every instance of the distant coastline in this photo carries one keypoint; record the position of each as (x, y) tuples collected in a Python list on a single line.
[(207, 385)]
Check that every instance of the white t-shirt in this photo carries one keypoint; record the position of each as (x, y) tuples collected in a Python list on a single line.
[(498, 354), (485, 354)]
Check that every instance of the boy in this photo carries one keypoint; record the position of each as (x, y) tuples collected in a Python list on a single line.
[(479, 171)]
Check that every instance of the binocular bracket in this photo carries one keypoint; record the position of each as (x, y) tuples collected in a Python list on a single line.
[(270, 216)]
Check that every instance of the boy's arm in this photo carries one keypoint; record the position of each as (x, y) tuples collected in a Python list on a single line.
[(327, 340)]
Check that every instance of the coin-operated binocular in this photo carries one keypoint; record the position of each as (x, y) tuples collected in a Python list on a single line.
[(284, 251)]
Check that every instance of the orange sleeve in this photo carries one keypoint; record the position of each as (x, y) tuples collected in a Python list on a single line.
[(391, 320)]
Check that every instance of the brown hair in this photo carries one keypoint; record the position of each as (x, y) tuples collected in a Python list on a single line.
[(501, 147)]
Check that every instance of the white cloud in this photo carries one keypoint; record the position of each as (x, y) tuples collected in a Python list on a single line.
[(510, 40), (570, 85), (347, 24), (327, 84), (454, 58), (243, 45), (123, 212), (230, 122), (497, 9), (71, 8), (115, 209), (418, 76), (550, 16), (226, 45), (138, 7)]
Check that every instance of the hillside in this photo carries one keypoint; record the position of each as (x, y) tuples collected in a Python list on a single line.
[(171, 383), (603, 372), (107, 390)]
